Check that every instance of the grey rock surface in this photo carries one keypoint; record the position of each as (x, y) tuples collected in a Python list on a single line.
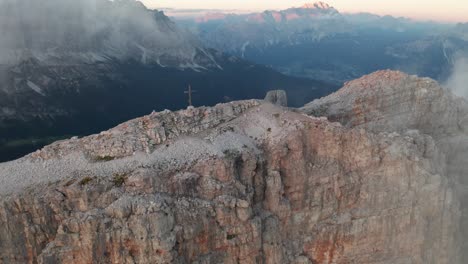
[(277, 97), (244, 182), (392, 101)]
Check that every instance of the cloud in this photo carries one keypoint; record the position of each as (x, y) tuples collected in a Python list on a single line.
[(119, 28), (458, 81)]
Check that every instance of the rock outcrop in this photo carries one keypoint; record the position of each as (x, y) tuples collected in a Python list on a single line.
[(394, 101), (244, 182), (277, 97)]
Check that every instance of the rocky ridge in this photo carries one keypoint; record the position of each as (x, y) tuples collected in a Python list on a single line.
[(394, 101), (249, 182)]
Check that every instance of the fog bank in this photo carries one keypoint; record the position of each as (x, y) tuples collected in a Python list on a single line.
[(120, 28), (458, 81)]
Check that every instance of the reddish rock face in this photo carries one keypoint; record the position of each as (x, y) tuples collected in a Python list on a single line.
[(246, 182), (390, 101)]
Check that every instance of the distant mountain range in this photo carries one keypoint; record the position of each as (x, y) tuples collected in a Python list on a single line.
[(79, 67), (318, 42)]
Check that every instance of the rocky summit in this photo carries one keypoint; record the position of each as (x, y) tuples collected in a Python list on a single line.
[(374, 173)]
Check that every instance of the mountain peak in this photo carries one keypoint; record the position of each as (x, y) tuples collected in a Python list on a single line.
[(246, 168), (378, 102), (317, 5)]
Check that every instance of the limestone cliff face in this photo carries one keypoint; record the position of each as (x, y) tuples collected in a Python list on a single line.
[(390, 101), (244, 182)]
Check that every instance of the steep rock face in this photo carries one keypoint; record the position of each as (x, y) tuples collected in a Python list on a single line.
[(390, 101), (245, 182)]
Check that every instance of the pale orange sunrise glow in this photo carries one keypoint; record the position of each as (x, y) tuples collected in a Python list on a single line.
[(449, 10)]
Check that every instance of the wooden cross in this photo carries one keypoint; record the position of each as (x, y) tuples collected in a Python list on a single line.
[(189, 92)]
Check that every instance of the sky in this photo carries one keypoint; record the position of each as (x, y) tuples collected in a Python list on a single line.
[(441, 10)]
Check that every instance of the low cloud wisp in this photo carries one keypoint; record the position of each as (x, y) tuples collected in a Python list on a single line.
[(86, 28), (458, 81)]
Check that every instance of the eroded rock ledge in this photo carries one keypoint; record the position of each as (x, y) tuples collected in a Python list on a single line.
[(247, 182), (146, 133)]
